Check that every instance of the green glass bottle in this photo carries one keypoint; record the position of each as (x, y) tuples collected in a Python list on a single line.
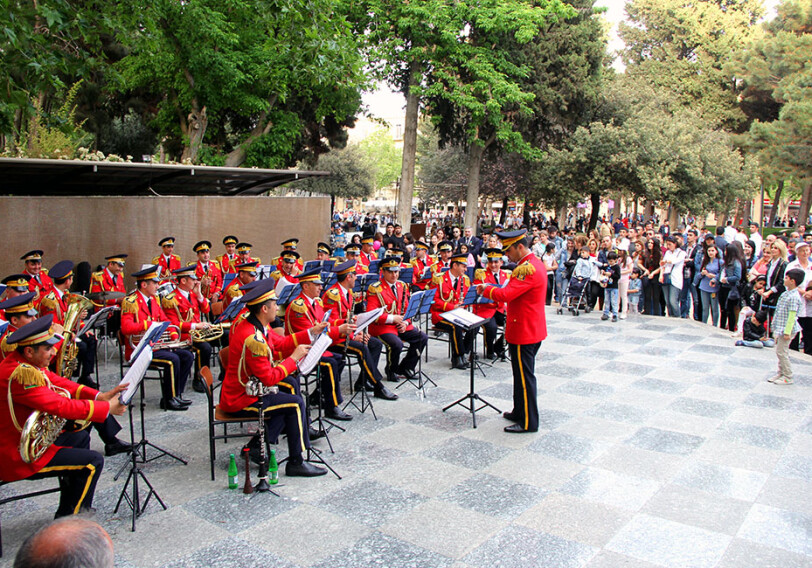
[(273, 469), (232, 472)]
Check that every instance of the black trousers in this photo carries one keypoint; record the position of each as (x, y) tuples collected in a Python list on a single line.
[(491, 327), (78, 468), (525, 404), (368, 356), (461, 339), (330, 379), (203, 350), (284, 412), (417, 341), (87, 356), (177, 364)]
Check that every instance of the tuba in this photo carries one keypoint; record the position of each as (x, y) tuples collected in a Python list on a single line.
[(214, 331), (41, 429), (66, 357)]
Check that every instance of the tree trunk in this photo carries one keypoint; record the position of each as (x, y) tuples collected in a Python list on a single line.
[(806, 201), (595, 198), (237, 156), (673, 219), (721, 218), (406, 189), (562, 217), (195, 130), (648, 213), (776, 200), (475, 154), (503, 213), (616, 208)]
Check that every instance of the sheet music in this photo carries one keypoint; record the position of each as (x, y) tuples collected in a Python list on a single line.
[(462, 317), (135, 374), (327, 315), (426, 273), (280, 285), (364, 320), (3, 326), (318, 348), (96, 319), (153, 334)]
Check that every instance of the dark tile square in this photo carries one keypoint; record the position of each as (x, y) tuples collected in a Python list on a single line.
[(465, 452), (560, 370), (451, 421), (230, 553), (579, 340), (494, 496), (380, 550), (659, 385), (799, 467), (362, 456), (520, 547), (665, 441), (727, 383), (236, 512), (654, 327), (759, 436), (619, 412), (713, 349), (699, 407), (568, 447), (775, 403), (658, 351), (586, 388), (551, 419), (627, 368), (370, 502)]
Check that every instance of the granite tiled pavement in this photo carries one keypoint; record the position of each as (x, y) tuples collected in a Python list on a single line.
[(661, 444)]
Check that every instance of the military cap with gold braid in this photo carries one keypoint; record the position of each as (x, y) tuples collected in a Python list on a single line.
[(352, 248), (324, 247), (147, 273), (61, 271), (117, 258), (261, 293), (345, 267), (461, 257), (493, 253), (445, 246), (421, 245), (201, 246), (32, 255), (511, 237), (367, 240), (247, 266), (17, 282), (313, 275), (186, 271), (37, 332), (292, 243), (289, 256), (391, 263), (244, 247), (20, 305), (166, 241), (230, 240), (250, 286)]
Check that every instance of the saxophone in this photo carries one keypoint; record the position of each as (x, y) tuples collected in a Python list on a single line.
[(66, 357)]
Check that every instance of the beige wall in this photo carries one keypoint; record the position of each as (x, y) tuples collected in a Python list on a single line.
[(90, 228)]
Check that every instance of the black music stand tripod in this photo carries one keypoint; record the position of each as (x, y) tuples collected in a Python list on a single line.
[(469, 401), (420, 304), (366, 400), (314, 455)]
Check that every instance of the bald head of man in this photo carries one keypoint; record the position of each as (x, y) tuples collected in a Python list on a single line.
[(67, 543)]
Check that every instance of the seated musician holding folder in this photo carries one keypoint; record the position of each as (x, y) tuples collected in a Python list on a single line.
[(495, 311), (31, 387), (452, 286), (250, 357)]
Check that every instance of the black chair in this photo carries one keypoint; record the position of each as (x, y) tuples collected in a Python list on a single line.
[(20, 497)]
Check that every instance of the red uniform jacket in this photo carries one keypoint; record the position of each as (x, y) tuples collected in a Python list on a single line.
[(136, 317), (102, 281), (340, 301), (448, 297), (417, 276), (167, 265), (485, 276), (249, 354), (52, 303), (227, 264), (232, 292), (27, 387), (212, 272), (183, 312), (278, 262), (525, 295), (379, 295), (302, 314), (5, 348), (365, 258), (41, 284)]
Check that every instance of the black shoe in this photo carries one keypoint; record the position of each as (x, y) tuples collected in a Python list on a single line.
[(337, 414), (516, 429), (183, 401), (88, 382), (117, 447), (359, 384), (458, 363), (604, 317), (512, 416), (385, 393), (502, 356), (393, 378), (303, 469), (173, 404), (490, 356), (198, 386), (314, 434)]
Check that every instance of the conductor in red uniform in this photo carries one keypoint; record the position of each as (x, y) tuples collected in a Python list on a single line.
[(526, 325), (24, 375)]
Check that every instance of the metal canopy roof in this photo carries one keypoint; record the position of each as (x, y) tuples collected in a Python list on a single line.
[(22, 176)]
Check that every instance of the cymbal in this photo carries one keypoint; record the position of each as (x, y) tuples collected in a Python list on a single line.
[(103, 296)]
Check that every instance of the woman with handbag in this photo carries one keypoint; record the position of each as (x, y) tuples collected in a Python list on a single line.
[(731, 277)]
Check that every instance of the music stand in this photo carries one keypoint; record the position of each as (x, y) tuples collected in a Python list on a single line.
[(96, 321), (471, 298), (314, 455), (406, 275), (419, 303), (136, 375), (469, 401)]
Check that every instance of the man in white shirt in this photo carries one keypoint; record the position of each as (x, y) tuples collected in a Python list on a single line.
[(755, 236)]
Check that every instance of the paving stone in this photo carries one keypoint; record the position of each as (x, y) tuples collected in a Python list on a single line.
[(567, 447), (519, 547), (722, 480), (230, 553), (659, 385), (584, 388), (759, 436), (699, 509), (665, 441), (494, 496), (462, 451), (699, 407), (778, 528), (745, 554), (611, 488), (379, 549), (370, 502), (619, 412), (799, 467)]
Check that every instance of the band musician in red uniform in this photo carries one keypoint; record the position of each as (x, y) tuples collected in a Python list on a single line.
[(493, 312)]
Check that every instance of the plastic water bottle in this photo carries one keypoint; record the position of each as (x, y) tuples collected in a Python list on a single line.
[(232, 472), (273, 469)]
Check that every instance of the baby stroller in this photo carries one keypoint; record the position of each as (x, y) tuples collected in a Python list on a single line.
[(575, 297)]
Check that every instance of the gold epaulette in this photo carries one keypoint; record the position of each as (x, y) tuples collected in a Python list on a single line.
[(298, 306), (258, 261), (44, 270), (479, 274), (156, 260), (375, 287), (169, 302), (129, 305), (48, 302), (466, 280), (413, 262), (276, 260), (28, 376), (4, 346), (437, 278), (233, 292), (257, 345), (276, 275), (523, 271), (505, 273), (333, 295), (191, 263), (176, 257), (98, 276)]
